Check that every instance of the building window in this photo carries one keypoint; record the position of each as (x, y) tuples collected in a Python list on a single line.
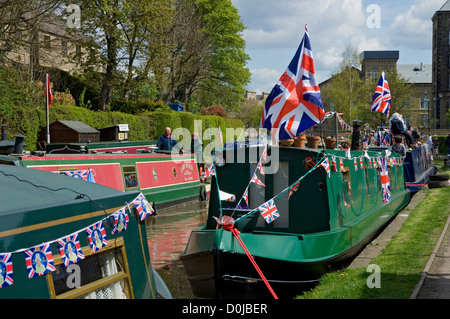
[(424, 120), (373, 74), (424, 103), (64, 46)]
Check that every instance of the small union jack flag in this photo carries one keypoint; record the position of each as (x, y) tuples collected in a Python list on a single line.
[(385, 185), (6, 270), (370, 162), (143, 207), (269, 211), (294, 188), (225, 220), (121, 220), (209, 171), (256, 180), (382, 97), (355, 164), (260, 168), (341, 165), (96, 236), (245, 196), (333, 163), (361, 162), (264, 154), (82, 174), (39, 260), (326, 164), (70, 249)]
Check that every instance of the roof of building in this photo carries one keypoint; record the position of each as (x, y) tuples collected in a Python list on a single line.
[(415, 73), (379, 55), (79, 127), (446, 6)]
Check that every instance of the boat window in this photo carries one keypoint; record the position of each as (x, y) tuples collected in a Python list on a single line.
[(130, 176), (102, 275), (347, 188)]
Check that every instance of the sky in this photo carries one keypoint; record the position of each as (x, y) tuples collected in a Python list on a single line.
[(274, 29)]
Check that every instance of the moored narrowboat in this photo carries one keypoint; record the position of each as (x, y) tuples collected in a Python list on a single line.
[(61, 237)]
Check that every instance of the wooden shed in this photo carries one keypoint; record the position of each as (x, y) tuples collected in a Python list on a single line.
[(71, 132)]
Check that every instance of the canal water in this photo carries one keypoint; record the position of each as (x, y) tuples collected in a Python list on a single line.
[(168, 234)]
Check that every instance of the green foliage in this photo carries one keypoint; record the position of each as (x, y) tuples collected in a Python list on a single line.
[(138, 106)]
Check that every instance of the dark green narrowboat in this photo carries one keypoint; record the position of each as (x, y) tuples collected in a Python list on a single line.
[(325, 219), (46, 247)]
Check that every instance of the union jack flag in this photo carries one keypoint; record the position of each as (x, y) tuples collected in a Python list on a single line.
[(6, 270), (382, 97), (224, 196), (245, 196), (121, 220), (333, 162), (39, 260), (341, 165), (295, 103), (96, 236), (142, 206), (326, 164), (81, 174), (209, 171), (294, 188), (355, 164), (264, 154), (260, 168), (256, 180), (269, 211), (361, 162), (225, 220), (70, 249), (385, 186), (370, 162)]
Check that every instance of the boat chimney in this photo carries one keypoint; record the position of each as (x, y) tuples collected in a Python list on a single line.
[(356, 135), (4, 126), (18, 146)]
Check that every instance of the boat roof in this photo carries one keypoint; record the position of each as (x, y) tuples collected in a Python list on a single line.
[(26, 189)]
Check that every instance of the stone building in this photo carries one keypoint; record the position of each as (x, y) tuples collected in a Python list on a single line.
[(441, 67)]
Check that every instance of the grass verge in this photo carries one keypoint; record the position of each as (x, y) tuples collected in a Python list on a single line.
[(401, 262)]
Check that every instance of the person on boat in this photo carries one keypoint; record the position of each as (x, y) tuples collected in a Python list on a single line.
[(166, 142), (197, 148), (435, 145), (398, 146), (398, 128)]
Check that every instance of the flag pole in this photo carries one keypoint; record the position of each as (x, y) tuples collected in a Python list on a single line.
[(46, 109)]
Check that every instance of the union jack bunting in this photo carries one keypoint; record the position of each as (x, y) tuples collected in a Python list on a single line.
[(333, 163), (225, 220), (260, 168), (120, 222), (264, 154), (81, 174), (39, 260), (295, 103), (245, 196), (224, 196), (355, 164), (269, 211), (361, 162), (385, 186), (382, 97), (142, 206), (209, 171), (70, 249), (341, 165), (370, 162), (294, 188), (256, 180), (96, 236), (6, 270), (326, 164)]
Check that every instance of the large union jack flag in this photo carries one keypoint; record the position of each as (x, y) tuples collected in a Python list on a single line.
[(96, 236), (210, 171), (382, 97), (6, 270), (269, 211), (143, 206), (39, 260), (385, 186), (295, 103), (70, 249), (81, 174)]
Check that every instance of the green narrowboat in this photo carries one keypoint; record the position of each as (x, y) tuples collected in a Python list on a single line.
[(325, 219), (46, 250)]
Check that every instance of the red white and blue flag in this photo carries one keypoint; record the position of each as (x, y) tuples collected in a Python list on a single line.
[(224, 196), (385, 185), (142, 206), (39, 260), (295, 103), (96, 236), (120, 222), (245, 196), (209, 171), (260, 168), (269, 211), (6, 270), (294, 188), (382, 97), (256, 180), (81, 174), (70, 249), (326, 164)]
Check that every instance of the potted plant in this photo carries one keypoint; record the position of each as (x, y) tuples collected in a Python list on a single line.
[(313, 141), (299, 140), (287, 143), (330, 143)]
